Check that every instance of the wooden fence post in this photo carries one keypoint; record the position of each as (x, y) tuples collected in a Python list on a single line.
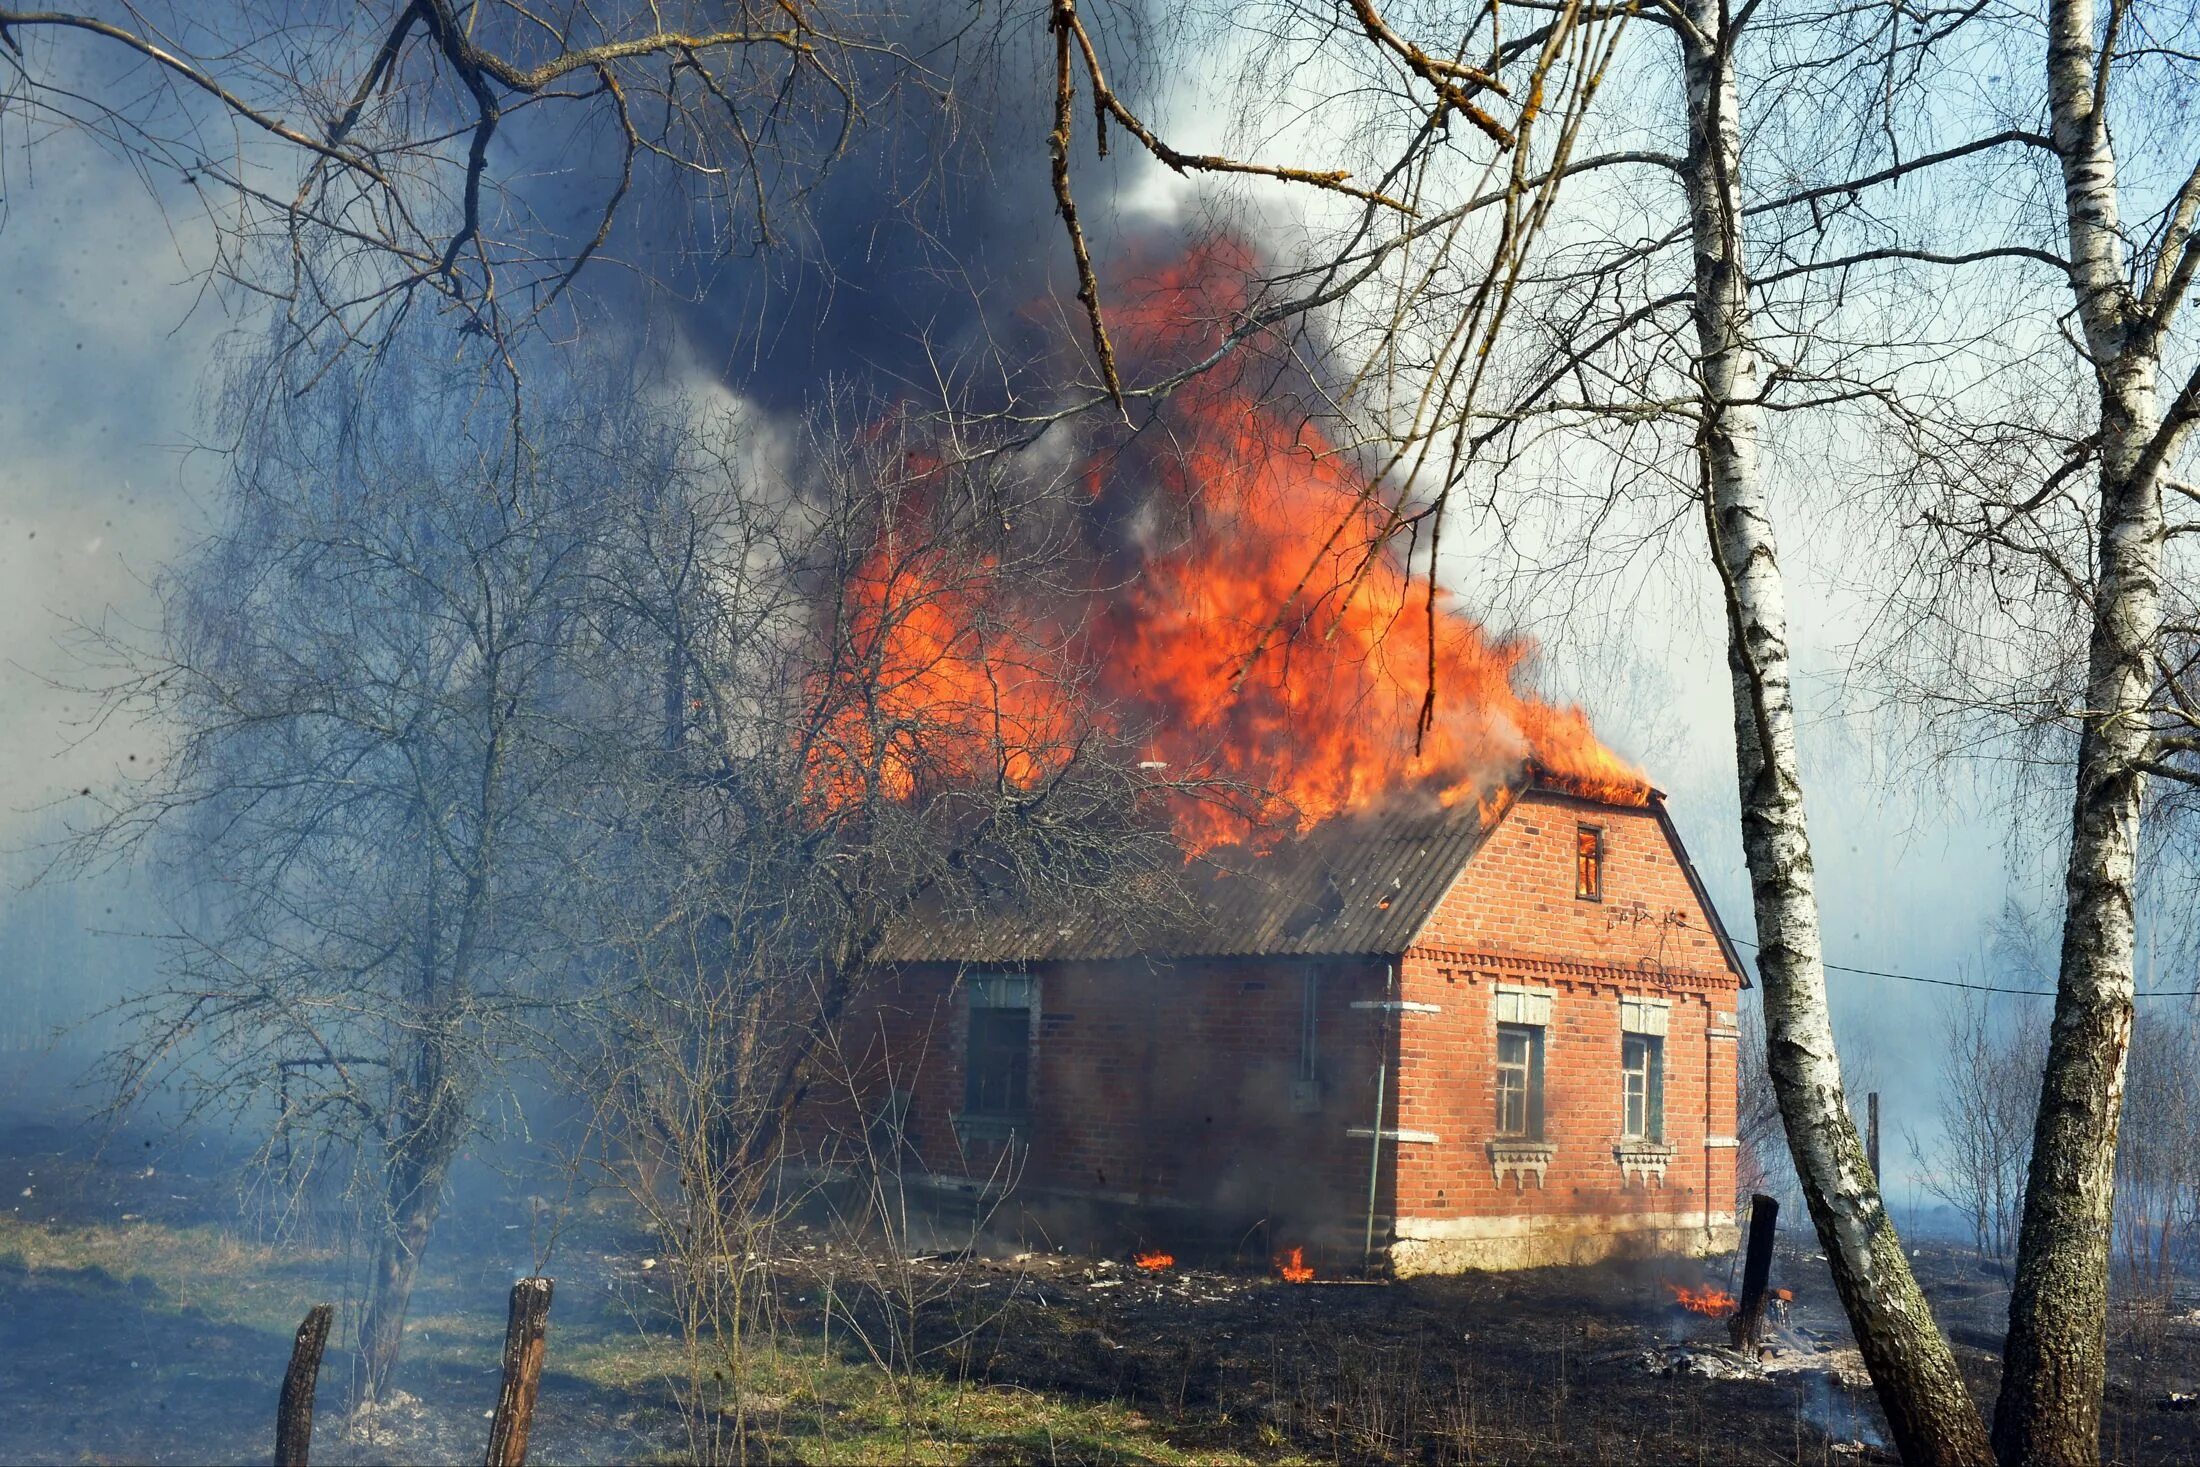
[(294, 1414), (1871, 1137), (1764, 1218), (523, 1350)]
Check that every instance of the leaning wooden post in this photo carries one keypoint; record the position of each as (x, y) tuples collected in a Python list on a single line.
[(523, 1349), (1871, 1138), (1764, 1217), (294, 1414)]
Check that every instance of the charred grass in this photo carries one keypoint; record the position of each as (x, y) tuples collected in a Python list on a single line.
[(145, 1323)]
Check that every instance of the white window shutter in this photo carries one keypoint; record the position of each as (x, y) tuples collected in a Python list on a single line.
[(1524, 1005)]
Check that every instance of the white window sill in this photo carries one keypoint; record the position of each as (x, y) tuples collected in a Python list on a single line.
[(1520, 1157), (1646, 1160), (992, 1128)]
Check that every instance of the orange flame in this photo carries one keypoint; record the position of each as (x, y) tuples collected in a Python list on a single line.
[(1154, 1262), (1710, 1299), (1293, 1268), (1250, 608)]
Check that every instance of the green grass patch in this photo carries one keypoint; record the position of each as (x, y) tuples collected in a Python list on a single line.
[(796, 1401), (206, 1270)]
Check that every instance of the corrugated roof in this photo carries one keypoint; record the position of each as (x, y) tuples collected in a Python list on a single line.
[(1357, 884)]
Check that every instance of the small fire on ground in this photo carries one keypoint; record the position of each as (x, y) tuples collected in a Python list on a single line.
[(1293, 1268), (1709, 1300), (1154, 1262)]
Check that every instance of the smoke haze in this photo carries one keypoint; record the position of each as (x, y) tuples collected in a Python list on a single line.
[(932, 243)]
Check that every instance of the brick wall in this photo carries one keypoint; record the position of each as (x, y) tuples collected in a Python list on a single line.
[(1512, 918), (1154, 1085), (1517, 895), (1448, 1091)]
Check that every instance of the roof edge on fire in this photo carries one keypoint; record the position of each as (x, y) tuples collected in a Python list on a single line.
[(1353, 886)]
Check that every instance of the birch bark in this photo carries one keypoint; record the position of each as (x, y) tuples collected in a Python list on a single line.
[(1926, 1402), (2055, 1358)]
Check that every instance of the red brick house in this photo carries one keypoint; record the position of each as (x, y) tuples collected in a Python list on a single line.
[(1479, 1038)]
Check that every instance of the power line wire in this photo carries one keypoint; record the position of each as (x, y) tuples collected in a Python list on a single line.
[(1982, 987)]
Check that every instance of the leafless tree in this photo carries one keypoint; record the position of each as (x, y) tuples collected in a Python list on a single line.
[(1644, 351), (620, 742), (361, 164), (1989, 1094), (2158, 1157), (364, 683), (863, 709), (2040, 603)]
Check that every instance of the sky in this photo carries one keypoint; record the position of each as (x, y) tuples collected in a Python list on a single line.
[(110, 339), (107, 345)]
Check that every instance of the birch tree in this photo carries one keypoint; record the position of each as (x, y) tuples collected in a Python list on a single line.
[(1927, 1403), (2055, 1361)]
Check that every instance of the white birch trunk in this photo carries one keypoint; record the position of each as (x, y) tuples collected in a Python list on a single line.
[(2055, 1358), (1927, 1404)]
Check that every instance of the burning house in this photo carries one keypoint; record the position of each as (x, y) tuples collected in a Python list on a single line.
[(1455, 994)]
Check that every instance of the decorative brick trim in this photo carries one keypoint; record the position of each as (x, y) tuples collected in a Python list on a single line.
[(1559, 969), (1642, 1159), (1521, 1158), (1392, 1133)]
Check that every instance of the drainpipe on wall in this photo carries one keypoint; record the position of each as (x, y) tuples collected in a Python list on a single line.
[(1375, 1145), (1708, 1010)]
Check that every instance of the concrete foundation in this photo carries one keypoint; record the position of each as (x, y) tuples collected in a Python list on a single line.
[(1426, 1245)]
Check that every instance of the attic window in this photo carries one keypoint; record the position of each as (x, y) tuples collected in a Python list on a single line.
[(1589, 863)]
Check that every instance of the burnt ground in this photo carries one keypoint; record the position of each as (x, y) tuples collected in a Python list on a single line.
[(142, 1318), (1587, 1365)]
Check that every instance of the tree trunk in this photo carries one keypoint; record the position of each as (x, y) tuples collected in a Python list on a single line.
[(1749, 1316), (1928, 1407), (2054, 1362), (431, 1120)]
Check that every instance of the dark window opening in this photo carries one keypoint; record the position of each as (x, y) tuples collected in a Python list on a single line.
[(997, 1079), (1589, 863), (1642, 1071), (1520, 1081)]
